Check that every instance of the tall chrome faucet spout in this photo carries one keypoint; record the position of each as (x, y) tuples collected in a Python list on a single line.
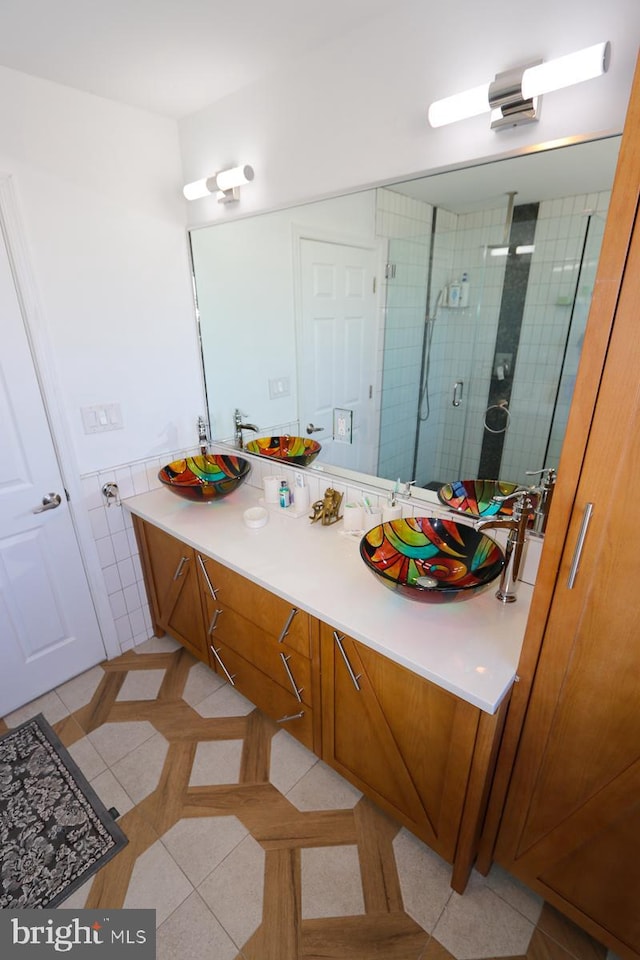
[(239, 426), (523, 505)]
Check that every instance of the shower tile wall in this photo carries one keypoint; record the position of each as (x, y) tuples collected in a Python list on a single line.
[(406, 223), (559, 244), (437, 392), (464, 338)]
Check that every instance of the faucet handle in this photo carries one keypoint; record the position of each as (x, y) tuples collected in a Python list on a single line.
[(524, 503)]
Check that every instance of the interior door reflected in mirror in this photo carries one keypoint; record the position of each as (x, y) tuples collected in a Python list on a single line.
[(446, 314)]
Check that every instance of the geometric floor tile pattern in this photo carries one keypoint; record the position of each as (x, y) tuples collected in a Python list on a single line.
[(250, 848)]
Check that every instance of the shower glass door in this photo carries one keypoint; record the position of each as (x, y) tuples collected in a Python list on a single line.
[(481, 388)]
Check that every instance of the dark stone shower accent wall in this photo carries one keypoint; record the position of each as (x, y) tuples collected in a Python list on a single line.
[(514, 293)]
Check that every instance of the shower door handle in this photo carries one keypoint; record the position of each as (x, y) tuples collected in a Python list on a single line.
[(458, 388)]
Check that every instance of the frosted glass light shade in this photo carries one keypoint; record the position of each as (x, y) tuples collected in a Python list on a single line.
[(566, 71), (196, 190), (235, 177), (219, 183), (469, 103)]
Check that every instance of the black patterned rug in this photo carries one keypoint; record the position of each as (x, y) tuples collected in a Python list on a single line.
[(55, 832)]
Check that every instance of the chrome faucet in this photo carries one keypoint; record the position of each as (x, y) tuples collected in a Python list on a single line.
[(203, 435), (545, 493), (240, 426), (523, 505)]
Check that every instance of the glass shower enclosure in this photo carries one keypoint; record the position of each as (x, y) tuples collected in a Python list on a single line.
[(484, 317)]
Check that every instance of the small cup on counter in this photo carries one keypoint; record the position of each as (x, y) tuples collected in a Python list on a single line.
[(352, 518), (271, 489)]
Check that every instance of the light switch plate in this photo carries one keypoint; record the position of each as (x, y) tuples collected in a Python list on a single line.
[(279, 387), (102, 417)]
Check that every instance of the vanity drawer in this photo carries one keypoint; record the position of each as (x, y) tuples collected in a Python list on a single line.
[(281, 663), (274, 616), (278, 703)]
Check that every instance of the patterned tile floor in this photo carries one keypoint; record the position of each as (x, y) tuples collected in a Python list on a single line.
[(250, 848)]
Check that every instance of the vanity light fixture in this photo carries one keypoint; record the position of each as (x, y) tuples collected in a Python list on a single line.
[(512, 97), (225, 184)]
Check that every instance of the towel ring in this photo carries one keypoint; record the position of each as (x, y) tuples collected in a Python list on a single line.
[(504, 406)]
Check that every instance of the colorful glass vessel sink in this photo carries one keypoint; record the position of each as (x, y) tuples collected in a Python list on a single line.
[(300, 451), (475, 497), (431, 559), (205, 478)]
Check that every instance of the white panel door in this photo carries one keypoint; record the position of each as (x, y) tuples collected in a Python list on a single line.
[(48, 627), (338, 348)]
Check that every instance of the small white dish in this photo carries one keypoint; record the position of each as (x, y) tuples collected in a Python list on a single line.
[(255, 517)]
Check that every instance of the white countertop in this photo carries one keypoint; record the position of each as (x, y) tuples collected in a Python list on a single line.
[(470, 648)]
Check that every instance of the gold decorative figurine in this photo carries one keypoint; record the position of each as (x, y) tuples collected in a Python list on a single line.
[(328, 509)]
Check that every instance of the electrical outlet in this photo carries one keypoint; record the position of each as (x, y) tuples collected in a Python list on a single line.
[(342, 425)]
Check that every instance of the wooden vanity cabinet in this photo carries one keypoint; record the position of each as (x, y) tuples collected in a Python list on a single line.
[(419, 752), (264, 646), (169, 568)]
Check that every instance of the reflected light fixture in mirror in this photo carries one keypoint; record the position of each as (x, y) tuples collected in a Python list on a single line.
[(226, 184), (511, 96)]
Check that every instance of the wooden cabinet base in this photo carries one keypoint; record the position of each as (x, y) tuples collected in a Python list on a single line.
[(420, 753)]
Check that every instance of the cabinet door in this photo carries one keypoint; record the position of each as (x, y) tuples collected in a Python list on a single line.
[(405, 742), (169, 568), (571, 826)]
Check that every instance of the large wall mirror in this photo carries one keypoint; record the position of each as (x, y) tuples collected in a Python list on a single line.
[(428, 330)]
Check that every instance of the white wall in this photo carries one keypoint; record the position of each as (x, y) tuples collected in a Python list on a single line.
[(98, 189), (353, 113)]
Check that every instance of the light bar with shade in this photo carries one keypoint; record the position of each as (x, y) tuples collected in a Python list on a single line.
[(225, 184), (512, 96)]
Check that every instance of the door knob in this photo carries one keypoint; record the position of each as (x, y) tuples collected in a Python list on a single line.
[(311, 429), (49, 502)]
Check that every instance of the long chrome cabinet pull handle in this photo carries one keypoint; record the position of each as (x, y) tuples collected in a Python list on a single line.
[(219, 659), (214, 593), (181, 564), (338, 639), (291, 716), (575, 563), (214, 621), (297, 692), (285, 629)]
